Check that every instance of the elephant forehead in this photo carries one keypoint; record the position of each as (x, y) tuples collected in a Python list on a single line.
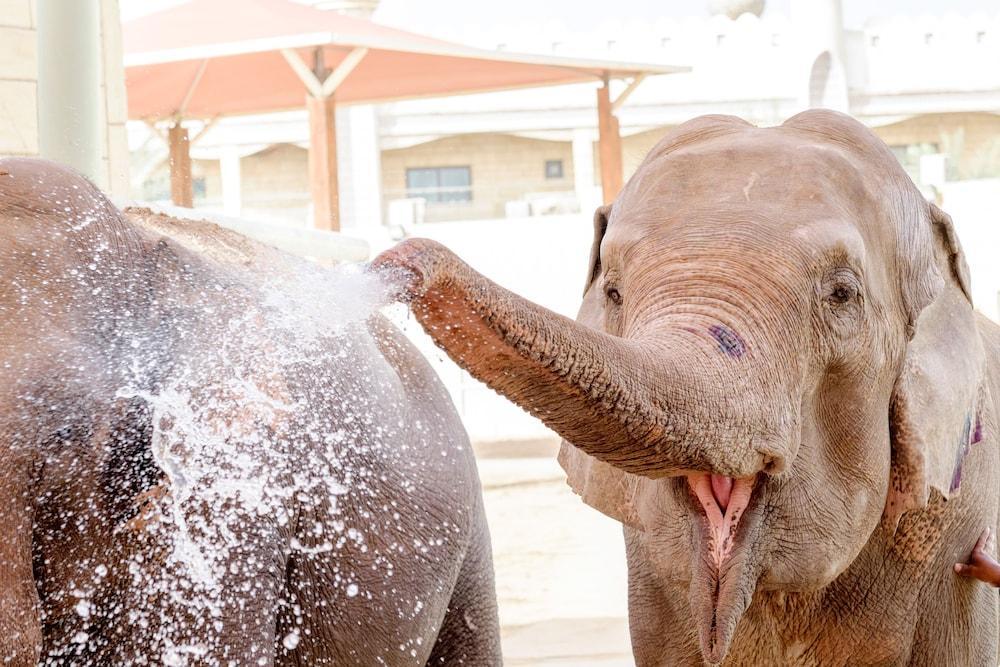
[(754, 166)]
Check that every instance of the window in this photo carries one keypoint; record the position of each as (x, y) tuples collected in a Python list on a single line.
[(440, 184), (553, 169)]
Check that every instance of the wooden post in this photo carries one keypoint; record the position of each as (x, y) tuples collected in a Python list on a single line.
[(323, 162), (609, 145), (181, 188)]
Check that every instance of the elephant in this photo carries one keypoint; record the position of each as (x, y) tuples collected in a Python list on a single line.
[(214, 453), (776, 382)]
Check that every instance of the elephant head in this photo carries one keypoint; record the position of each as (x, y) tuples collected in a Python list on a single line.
[(759, 372)]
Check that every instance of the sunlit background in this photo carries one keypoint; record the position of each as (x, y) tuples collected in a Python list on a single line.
[(508, 179)]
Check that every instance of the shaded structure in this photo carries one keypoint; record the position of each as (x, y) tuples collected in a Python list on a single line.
[(209, 58)]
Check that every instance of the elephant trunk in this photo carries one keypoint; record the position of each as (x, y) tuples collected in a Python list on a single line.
[(634, 404)]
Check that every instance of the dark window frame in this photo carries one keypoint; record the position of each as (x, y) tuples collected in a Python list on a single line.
[(432, 184), (560, 170)]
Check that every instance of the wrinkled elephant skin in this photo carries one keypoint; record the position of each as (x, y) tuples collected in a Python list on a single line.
[(777, 383), (209, 456)]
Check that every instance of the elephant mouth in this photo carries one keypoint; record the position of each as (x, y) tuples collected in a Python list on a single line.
[(724, 567), (724, 500)]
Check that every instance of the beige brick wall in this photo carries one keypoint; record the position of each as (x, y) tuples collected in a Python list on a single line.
[(503, 168), (971, 139), (18, 79), (114, 140), (276, 183)]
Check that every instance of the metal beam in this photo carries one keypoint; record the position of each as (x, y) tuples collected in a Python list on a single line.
[(343, 70), (623, 97), (191, 88), (303, 71)]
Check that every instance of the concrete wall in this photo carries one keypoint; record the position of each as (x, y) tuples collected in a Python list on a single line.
[(972, 140), (18, 79), (503, 168), (276, 182), (19, 90)]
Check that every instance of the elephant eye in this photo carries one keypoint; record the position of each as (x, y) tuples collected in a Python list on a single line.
[(614, 295), (842, 293)]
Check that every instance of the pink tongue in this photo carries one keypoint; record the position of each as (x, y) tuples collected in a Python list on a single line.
[(722, 489)]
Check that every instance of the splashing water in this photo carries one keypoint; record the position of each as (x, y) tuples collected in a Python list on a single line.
[(235, 439), (300, 472)]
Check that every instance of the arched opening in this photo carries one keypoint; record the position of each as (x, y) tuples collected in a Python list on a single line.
[(819, 80)]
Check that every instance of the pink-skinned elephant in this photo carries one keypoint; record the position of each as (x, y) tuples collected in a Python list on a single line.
[(777, 384), (212, 453)]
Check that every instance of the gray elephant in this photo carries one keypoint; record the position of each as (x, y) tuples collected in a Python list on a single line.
[(777, 383), (213, 454)]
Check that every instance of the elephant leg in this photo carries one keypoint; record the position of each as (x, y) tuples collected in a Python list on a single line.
[(470, 632), (20, 624)]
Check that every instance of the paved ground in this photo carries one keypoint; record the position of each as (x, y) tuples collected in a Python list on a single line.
[(560, 565)]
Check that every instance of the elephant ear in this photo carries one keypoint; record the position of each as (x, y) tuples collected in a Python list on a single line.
[(934, 417), (602, 486)]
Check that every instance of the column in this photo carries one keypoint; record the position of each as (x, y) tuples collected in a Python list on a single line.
[(69, 85), (583, 170), (323, 162), (232, 183)]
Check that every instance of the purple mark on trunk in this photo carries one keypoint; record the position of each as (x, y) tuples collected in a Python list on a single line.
[(729, 341), (977, 433)]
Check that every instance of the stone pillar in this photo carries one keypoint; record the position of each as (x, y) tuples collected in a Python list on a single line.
[(359, 162), (69, 85), (583, 170), (232, 181)]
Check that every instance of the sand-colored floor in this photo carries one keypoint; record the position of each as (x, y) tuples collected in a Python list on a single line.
[(560, 565)]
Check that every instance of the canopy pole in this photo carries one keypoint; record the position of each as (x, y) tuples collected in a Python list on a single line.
[(323, 162), (609, 144), (181, 181), (321, 85)]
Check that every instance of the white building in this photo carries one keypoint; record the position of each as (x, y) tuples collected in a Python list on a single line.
[(508, 179)]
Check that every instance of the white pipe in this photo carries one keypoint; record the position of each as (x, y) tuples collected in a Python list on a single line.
[(69, 85)]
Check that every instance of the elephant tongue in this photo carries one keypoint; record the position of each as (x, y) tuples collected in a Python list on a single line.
[(723, 499), (722, 489)]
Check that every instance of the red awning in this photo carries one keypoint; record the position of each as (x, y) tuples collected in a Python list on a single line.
[(206, 58)]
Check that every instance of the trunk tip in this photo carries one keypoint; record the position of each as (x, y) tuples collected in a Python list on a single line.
[(409, 267)]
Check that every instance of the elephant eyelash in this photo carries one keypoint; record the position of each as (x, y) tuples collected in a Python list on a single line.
[(614, 295)]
